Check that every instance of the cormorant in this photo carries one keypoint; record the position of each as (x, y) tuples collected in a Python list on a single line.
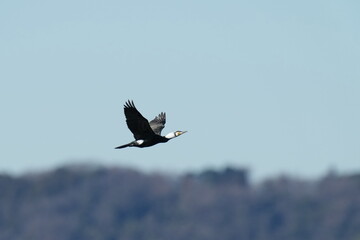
[(146, 133)]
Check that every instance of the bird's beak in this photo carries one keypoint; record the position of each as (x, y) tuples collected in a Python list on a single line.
[(178, 133)]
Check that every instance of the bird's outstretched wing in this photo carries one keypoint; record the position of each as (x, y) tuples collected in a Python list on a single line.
[(137, 124), (158, 123)]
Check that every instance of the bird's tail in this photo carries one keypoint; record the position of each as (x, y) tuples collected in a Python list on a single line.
[(124, 146)]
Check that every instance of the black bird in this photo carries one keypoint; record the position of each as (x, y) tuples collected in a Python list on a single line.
[(146, 133)]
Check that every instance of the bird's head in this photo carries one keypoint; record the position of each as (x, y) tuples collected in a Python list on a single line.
[(174, 134)]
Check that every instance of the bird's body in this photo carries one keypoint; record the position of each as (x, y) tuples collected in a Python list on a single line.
[(146, 133)]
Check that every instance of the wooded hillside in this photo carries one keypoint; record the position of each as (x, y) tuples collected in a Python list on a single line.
[(113, 204)]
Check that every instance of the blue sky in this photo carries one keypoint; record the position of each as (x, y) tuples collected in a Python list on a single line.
[(269, 85)]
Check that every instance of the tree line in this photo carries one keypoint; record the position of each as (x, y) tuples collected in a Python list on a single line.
[(75, 203)]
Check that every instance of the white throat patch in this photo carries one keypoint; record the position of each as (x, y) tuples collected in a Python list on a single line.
[(170, 135)]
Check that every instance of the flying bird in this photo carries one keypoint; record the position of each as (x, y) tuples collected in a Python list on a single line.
[(146, 133)]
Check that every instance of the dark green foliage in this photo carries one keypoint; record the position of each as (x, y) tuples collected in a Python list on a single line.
[(113, 204)]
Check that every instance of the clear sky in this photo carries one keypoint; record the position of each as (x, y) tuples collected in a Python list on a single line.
[(270, 85)]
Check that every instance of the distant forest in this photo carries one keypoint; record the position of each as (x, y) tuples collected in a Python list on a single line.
[(84, 203)]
